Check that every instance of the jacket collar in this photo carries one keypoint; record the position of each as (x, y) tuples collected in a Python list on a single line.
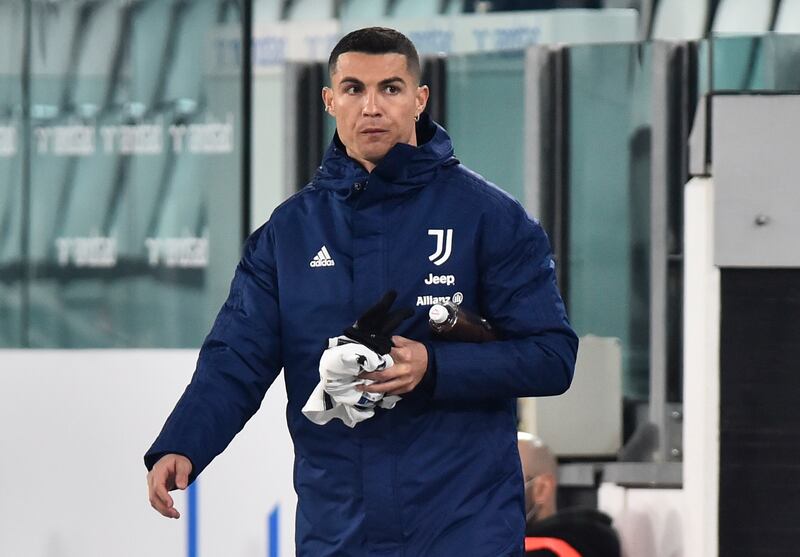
[(403, 167)]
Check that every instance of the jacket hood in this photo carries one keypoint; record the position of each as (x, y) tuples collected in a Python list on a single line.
[(403, 166)]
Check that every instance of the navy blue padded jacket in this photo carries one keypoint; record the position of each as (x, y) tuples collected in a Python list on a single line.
[(439, 474)]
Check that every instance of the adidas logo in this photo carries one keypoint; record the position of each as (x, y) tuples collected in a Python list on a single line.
[(322, 259)]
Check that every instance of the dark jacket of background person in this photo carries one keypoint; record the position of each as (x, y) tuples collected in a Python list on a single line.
[(439, 474), (588, 531)]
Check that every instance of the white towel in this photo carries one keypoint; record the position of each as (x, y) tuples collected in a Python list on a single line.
[(336, 396)]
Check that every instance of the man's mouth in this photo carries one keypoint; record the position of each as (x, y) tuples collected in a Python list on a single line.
[(373, 131)]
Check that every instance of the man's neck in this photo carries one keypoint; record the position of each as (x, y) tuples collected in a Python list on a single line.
[(369, 166)]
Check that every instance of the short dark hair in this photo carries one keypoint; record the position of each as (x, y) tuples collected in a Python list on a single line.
[(376, 40)]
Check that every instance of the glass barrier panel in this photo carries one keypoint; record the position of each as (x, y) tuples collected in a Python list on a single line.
[(269, 146), (135, 173), (485, 108), (12, 205), (608, 253), (755, 63)]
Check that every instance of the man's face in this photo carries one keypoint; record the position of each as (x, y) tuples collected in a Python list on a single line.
[(374, 99)]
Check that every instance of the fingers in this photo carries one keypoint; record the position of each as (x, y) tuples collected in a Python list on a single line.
[(182, 470), (165, 504), (380, 376), (399, 341), (400, 354), (410, 364), (398, 379), (411, 352), (397, 386), (160, 499), (169, 472)]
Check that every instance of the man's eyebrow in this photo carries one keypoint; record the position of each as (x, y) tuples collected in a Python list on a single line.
[(351, 80), (356, 81), (389, 80)]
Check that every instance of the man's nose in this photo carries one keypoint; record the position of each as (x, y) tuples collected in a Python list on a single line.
[(371, 104)]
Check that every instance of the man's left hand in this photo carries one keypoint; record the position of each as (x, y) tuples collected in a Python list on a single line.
[(410, 364)]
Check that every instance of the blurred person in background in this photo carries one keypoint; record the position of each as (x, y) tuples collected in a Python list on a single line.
[(389, 208), (550, 532)]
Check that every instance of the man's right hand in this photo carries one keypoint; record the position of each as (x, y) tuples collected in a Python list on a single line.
[(170, 472)]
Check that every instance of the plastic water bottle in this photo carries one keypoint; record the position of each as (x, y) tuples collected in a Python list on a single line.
[(452, 322)]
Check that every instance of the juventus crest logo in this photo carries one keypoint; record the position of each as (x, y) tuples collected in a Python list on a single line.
[(444, 245)]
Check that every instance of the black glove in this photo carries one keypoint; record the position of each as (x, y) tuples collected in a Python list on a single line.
[(374, 328)]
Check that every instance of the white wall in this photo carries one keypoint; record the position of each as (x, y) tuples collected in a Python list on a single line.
[(73, 428), (650, 522)]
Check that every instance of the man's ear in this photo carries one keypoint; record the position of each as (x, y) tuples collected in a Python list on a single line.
[(422, 98), (544, 486), (327, 99)]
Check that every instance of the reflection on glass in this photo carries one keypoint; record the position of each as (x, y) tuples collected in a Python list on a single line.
[(135, 173), (270, 150), (485, 108), (609, 210), (760, 63), (11, 202)]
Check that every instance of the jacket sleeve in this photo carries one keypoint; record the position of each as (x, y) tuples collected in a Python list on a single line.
[(238, 361), (519, 296)]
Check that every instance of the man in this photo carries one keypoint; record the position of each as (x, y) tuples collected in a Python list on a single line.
[(540, 473), (553, 533), (389, 208)]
